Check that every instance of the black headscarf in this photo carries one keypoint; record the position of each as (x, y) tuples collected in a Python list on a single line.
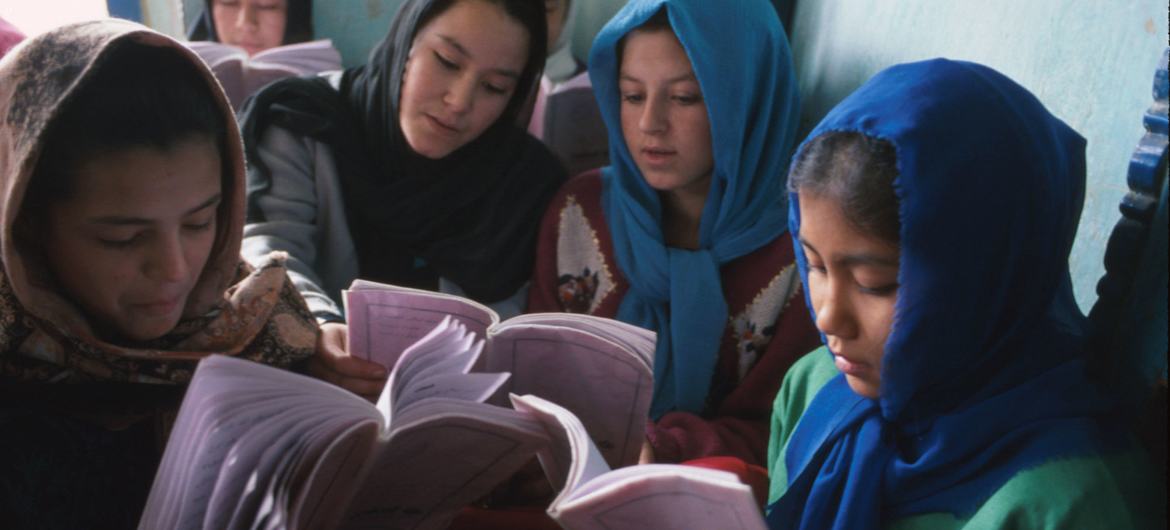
[(298, 25), (472, 215)]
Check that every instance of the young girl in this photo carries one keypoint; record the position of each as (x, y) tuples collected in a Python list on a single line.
[(408, 170), (684, 233), (123, 205), (254, 25), (934, 210)]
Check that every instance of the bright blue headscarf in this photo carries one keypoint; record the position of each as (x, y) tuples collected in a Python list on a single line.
[(740, 56), (983, 373)]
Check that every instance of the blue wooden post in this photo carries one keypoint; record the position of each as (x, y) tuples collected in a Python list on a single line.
[(1129, 318), (127, 9)]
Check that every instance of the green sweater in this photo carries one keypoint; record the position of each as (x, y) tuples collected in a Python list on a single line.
[(1114, 492)]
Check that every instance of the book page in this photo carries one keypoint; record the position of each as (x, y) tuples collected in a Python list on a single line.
[(441, 456), (384, 320), (333, 479), (304, 57), (570, 458), (661, 496), (227, 400), (607, 387)]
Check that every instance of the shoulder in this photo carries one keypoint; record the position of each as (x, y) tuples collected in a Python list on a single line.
[(1116, 491), (583, 189), (801, 384), (580, 198)]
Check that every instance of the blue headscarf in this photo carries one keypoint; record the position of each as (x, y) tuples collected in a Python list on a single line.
[(983, 373), (740, 56)]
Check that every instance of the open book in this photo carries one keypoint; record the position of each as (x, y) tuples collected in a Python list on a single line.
[(591, 496), (573, 128), (259, 447), (598, 368), (241, 75)]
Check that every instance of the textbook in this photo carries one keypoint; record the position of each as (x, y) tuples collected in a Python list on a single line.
[(241, 75), (590, 496), (598, 368), (258, 447)]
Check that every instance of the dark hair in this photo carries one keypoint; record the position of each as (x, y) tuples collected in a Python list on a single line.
[(858, 171), (658, 22), (138, 96), (531, 15)]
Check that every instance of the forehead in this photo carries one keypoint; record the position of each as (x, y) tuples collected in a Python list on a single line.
[(654, 51), (147, 180), (488, 34), (824, 225)]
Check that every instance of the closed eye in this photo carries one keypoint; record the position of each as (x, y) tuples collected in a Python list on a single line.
[(446, 63)]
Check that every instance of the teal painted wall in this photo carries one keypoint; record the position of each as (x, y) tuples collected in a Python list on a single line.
[(1090, 61)]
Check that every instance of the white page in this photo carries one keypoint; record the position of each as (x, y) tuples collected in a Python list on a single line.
[(571, 459), (226, 398), (384, 320), (334, 478), (605, 386), (662, 496), (441, 456)]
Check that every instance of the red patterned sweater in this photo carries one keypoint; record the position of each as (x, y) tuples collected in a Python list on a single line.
[(768, 326)]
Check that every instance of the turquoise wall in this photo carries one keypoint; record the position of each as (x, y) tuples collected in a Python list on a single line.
[(1090, 61)]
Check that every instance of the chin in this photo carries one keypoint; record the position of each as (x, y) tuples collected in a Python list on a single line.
[(862, 388), (144, 332)]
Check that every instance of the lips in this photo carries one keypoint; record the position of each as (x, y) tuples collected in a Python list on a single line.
[(851, 367), (158, 307), (657, 155), (442, 126)]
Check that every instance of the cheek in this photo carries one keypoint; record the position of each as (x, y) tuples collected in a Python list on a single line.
[(98, 284), (698, 130), (487, 111), (273, 29), (629, 118), (198, 251)]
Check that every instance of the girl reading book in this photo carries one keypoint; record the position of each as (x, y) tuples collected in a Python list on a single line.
[(408, 170), (934, 210), (684, 233), (254, 25), (122, 215)]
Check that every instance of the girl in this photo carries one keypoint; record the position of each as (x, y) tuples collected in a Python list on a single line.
[(934, 211), (254, 25), (684, 233), (408, 170), (123, 206)]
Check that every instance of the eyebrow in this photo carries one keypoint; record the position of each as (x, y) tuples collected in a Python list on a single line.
[(463, 51), (861, 258), (120, 220), (690, 76)]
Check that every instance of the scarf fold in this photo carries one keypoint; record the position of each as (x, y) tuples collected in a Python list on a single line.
[(983, 374), (472, 216), (753, 111), (44, 337)]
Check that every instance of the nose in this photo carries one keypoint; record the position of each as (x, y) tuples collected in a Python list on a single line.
[(248, 17), (460, 97), (167, 262), (653, 119), (835, 316)]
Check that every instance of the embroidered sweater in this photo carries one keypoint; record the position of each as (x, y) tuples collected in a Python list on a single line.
[(768, 327)]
